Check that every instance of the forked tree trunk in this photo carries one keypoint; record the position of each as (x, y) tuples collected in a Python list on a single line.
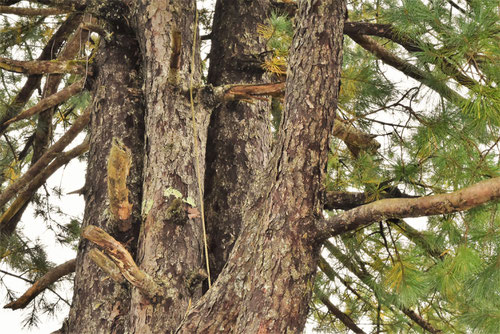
[(266, 284), (267, 279)]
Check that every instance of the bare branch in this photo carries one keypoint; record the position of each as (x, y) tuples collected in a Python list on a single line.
[(346, 320), (23, 11), (475, 195), (49, 102), (124, 261), (238, 92), (355, 139), (107, 265), (7, 223), (41, 66), (49, 278), (46, 158)]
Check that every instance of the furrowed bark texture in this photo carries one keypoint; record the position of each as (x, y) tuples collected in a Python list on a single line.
[(170, 245), (266, 285), (239, 136), (100, 305)]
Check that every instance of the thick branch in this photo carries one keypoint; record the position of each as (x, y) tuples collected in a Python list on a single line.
[(46, 158), (32, 11), (49, 278), (41, 66), (475, 195), (123, 260), (49, 101), (410, 70), (346, 320), (107, 265)]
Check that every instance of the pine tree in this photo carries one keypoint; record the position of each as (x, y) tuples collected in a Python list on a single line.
[(266, 184)]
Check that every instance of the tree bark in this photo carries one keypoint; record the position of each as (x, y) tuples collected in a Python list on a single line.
[(170, 245), (266, 284), (239, 136), (99, 304)]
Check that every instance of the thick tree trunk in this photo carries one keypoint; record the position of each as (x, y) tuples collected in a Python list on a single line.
[(170, 245), (239, 134), (101, 305), (266, 285)]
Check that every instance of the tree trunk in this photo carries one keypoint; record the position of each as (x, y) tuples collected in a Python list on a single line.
[(239, 134), (170, 245), (266, 284), (100, 305)]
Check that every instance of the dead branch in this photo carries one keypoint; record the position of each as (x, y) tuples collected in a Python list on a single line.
[(123, 260), (46, 158), (41, 66), (238, 92), (355, 139), (7, 223), (49, 278), (49, 102), (21, 11), (106, 264), (475, 195)]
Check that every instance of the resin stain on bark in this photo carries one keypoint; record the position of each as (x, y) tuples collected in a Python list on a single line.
[(118, 169)]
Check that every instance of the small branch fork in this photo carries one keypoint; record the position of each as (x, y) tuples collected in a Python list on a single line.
[(116, 259)]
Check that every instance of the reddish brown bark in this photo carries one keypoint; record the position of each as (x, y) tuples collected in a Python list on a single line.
[(266, 284)]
